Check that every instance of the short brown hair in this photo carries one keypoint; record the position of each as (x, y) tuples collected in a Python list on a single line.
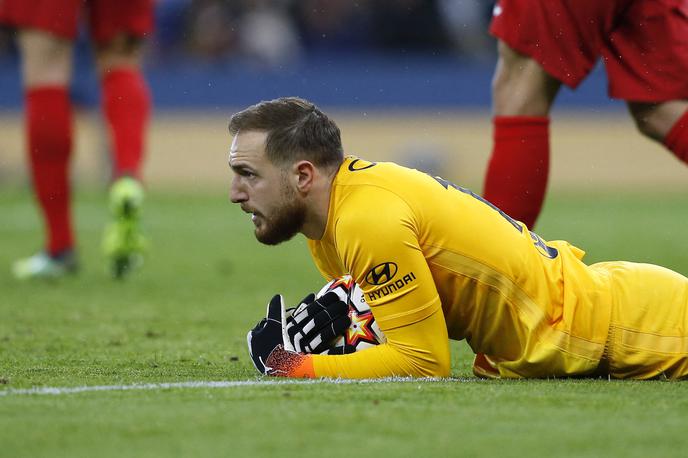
[(296, 129)]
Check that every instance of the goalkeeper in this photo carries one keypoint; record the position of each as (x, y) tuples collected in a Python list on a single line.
[(437, 262)]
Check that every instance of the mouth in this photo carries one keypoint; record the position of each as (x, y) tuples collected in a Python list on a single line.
[(254, 215)]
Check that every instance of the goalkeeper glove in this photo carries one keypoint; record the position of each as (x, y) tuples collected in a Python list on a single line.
[(312, 326), (315, 323), (266, 340)]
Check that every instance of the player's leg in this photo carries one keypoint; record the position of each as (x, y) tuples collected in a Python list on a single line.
[(46, 72), (649, 323), (523, 93), (126, 106), (647, 62), (126, 101), (665, 122), (543, 44), (118, 34)]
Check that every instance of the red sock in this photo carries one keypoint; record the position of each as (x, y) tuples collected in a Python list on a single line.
[(677, 138), (516, 177), (126, 103), (49, 130)]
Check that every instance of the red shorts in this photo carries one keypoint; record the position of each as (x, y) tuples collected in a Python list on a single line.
[(643, 43), (106, 18)]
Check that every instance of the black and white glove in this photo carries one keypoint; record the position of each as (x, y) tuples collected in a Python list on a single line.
[(284, 335), (315, 323), (267, 338)]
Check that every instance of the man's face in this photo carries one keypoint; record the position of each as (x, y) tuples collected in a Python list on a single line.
[(264, 190)]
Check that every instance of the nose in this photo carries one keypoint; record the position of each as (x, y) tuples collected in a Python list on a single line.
[(237, 194)]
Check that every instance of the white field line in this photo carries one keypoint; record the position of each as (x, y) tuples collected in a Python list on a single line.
[(57, 390)]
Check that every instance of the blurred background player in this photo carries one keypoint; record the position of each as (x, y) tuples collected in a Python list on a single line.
[(46, 32), (544, 43)]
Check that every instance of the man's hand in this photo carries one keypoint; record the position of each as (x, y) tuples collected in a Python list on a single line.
[(267, 338), (316, 322), (278, 342)]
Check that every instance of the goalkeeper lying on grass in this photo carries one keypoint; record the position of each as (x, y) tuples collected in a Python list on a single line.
[(437, 262)]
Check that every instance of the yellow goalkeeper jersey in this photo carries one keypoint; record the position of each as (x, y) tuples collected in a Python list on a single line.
[(437, 262)]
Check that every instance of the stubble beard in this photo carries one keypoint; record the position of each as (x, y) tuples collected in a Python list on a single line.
[(285, 222)]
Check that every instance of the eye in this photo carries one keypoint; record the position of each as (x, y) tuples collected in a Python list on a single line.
[(243, 172)]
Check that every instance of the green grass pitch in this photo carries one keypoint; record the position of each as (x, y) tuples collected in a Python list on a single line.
[(184, 318)]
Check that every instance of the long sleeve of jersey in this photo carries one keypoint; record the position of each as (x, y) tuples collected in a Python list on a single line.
[(398, 286), (418, 350)]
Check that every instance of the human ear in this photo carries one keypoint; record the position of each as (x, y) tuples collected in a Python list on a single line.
[(304, 171)]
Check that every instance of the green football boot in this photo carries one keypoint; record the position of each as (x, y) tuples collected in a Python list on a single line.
[(44, 266), (123, 242)]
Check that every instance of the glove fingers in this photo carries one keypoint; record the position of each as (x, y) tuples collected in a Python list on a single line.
[(330, 304), (308, 329), (331, 297), (319, 330), (267, 335), (302, 306), (308, 309), (274, 312), (308, 299), (323, 339)]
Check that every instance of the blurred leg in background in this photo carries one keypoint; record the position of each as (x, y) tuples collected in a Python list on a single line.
[(522, 96), (46, 73), (665, 122), (46, 35), (646, 61), (117, 31), (543, 44)]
